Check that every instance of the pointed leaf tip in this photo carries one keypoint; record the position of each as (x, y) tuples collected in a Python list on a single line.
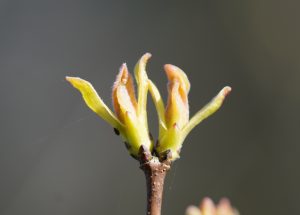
[(175, 73), (226, 90), (123, 74), (141, 64), (208, 109), (144, 59), (147, 55), (73, 80), (140, 69)]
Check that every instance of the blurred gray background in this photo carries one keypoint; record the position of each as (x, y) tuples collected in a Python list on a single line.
[(57, 157)]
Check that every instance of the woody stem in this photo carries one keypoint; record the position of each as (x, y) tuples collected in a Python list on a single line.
[(155, 172)]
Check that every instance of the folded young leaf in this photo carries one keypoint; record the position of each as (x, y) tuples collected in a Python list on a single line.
[(93, 100)]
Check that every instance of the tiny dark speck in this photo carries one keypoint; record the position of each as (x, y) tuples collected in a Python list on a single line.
[(127, 145), (117, 132)]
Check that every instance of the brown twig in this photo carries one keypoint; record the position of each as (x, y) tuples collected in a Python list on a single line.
[(155, 172)]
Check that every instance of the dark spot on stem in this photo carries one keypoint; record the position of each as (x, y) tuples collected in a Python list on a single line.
[(117, 132), (127, 145)]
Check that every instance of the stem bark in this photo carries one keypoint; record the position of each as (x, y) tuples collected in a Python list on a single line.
[(155, 173)]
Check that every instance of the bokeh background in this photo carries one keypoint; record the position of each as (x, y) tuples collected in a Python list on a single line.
[(57, 157)]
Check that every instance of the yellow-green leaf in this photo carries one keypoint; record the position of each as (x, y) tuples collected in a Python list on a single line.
[(93, 100), (207, 110)]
